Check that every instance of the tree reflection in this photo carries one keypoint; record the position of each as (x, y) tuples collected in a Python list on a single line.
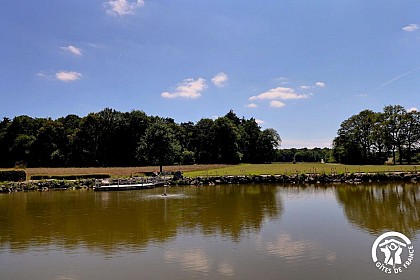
[(131, 220), (376, 208)]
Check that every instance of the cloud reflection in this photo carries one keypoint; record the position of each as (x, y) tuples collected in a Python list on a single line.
[(196, 260), (226, 269), (285, 247), (191, 259), (66, 277)]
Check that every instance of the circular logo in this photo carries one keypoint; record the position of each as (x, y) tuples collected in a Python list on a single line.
[(392, 252)]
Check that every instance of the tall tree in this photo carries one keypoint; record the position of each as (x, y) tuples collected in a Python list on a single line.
[(20, 135), (132, 130), (47, 148), (204, 141), (346, 147), (226, 141), (394, 122), (4, 148), (412, 132), (159, 145), (250, 135), (268, 141), (85, 150)]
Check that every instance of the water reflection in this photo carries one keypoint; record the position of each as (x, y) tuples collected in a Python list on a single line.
[(131, 220), (284, 246), (217, 232), (377, 208)]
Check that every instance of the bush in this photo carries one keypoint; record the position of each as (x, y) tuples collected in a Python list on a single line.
[(188, 157), (70, 177), (12, 175)]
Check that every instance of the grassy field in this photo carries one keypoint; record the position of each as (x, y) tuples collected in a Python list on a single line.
[(217, 170), (116, 171), (289, 168)]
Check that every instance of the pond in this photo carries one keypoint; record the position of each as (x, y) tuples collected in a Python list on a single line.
[(214, 232)]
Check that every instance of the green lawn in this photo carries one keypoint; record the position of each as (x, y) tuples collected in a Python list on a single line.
[(289, 168)]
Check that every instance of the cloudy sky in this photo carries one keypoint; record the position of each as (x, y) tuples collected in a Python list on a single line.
[(300, 67)]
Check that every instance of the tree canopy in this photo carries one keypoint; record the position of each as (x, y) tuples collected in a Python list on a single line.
[(373, 137), (113, 138)]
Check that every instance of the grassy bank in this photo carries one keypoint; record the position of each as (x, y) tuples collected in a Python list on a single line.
[(300, 168), (116, 172), (223, 170)]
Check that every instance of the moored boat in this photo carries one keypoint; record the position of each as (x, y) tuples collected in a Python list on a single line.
[(129, 187)]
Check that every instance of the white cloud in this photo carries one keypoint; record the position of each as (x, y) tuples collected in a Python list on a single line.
[(73, 50), (279, 93), (251, 105), (411, 27), (189, 88), (220, 79), (305, 87), (277, 104), (258, 121), (68, 76), (123, 7), (412, 109), (320, 84)]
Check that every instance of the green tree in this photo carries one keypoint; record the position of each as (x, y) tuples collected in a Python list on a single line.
[(250, 134), (355, 142), (47, 147), (71, 124), (412, 132), (159, 145), (394, 122), (226, 141), (267, 143), (19, 137), (4, 149), (131, 131), (204, 141), (85, 148), (21, 148), (346, 147)]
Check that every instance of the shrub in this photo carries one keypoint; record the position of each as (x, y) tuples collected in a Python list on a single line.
[(70, 177), (12, 175)]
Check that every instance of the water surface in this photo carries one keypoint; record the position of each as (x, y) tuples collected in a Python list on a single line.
[(214, 232)]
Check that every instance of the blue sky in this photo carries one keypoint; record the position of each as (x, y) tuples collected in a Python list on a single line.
[(300, 67)]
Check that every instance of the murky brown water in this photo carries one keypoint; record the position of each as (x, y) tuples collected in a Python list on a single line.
[(214, 232)]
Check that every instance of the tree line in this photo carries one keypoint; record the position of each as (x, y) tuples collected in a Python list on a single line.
[(113, 138), (374, 137), (304, 155)]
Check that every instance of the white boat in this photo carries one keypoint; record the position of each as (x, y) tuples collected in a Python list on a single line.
[(124, 187)]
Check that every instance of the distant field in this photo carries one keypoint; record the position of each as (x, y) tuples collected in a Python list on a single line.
[(215, 170), (289, 168)]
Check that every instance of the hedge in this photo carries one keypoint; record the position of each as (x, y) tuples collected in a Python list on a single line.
[(70, 177), (12, 175)]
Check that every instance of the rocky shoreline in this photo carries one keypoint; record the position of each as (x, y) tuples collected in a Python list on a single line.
[(178, 179), (302, 178)]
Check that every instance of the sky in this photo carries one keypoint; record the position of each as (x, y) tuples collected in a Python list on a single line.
[(300, 67)]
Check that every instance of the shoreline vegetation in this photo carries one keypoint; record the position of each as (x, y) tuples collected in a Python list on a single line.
[(287, 173)]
